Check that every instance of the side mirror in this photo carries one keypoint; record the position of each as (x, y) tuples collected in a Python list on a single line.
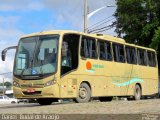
[(3, 55)]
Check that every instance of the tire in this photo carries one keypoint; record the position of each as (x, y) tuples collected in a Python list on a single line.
[(45, 101), (105, 99), (137, 93), (13, 102), (84, 93)]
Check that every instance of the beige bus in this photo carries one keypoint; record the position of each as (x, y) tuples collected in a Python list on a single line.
[(53, 65)]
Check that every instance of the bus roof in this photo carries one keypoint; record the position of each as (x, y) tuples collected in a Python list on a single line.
[(97, 36)]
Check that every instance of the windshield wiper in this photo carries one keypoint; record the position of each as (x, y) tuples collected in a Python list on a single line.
[(24, 71)]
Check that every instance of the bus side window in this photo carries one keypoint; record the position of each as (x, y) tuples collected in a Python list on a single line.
[(142, 57), (131, 55), (105, 50), (88, 47), (101, 47), (118, 51), (108, 51), (151, 59)]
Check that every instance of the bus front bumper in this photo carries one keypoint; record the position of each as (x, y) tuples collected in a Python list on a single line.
[(32, 93)]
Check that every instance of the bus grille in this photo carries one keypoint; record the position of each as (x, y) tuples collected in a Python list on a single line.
[(32, 93), (32, 85)]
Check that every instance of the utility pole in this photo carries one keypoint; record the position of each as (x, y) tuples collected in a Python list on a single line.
[(86, 16), (3, 80)]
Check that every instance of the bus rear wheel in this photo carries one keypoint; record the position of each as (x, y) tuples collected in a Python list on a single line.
[(84, 94), (45, 101), (137, 92), (105, 99)]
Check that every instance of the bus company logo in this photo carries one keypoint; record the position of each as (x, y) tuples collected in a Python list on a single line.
[(89, 67), (92, 68)]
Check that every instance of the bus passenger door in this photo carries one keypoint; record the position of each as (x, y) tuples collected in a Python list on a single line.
[(69, 65)]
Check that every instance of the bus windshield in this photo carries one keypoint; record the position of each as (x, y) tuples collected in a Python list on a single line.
[(36, 56)]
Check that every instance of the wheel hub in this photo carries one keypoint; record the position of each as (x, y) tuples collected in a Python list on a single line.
[(82, 93)]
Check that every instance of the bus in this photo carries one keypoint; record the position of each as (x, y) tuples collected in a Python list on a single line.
[(64, 64)]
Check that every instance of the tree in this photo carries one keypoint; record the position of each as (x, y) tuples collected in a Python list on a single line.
[(156, 43), (138, 22), (130, 20), (156, 40), (7, 84)]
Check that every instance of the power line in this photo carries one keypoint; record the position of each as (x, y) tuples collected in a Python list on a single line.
[(101, 24), (103, 29), (5, 73), (100, 28), (106, 27), (100, 21)]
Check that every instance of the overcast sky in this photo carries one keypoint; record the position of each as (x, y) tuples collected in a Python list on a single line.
[(19, 17)]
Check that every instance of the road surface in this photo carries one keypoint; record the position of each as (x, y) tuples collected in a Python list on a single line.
[(113, 107)]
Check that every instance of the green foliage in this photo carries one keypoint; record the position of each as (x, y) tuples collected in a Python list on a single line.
[(7, 84), (156, 39), (138, 22), (130, 19)]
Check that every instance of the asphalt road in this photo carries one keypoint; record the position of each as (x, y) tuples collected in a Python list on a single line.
[(113, 107)]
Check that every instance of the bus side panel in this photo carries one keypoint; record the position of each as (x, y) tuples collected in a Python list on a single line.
[(147, 77), (126, 80), (94, 72), (69, 85), (122, 82), (151, 77), (133, 79), (116, 73)]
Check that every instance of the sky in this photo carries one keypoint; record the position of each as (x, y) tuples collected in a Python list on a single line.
[(21, 17)]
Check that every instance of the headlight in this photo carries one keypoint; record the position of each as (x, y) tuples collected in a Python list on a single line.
[(49, 83), (16, 84)]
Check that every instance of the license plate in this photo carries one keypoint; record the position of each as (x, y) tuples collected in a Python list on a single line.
[(30, 90)]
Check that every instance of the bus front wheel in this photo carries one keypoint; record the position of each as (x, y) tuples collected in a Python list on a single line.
[(137, 92), (84, 94)]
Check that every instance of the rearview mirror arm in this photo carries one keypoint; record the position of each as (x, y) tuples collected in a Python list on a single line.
[(3, 54)]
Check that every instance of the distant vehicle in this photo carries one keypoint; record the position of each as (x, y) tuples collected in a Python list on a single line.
[(5, 100), (9, 93), (23, 100)]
